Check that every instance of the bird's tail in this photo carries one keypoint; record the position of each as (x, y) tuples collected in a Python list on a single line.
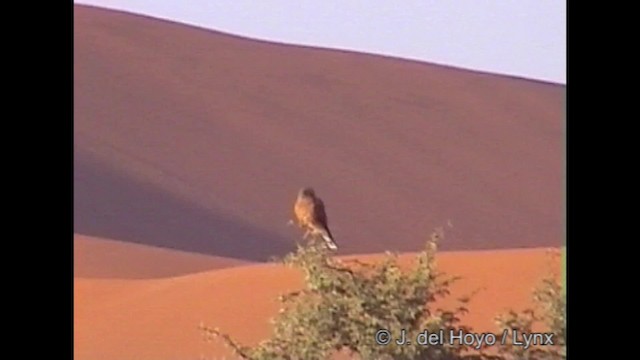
[(328, 239)]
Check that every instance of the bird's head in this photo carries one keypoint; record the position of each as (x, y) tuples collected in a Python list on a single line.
[(306, 192)]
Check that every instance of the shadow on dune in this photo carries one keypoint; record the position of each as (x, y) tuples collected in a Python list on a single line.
[(111, 205)]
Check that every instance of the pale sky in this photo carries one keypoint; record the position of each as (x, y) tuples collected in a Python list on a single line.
[(525, 38)]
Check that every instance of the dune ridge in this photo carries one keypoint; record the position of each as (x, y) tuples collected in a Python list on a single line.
[(105, 258)]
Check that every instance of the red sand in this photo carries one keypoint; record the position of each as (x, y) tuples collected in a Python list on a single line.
[(158, 318), (102, 258), (197, 140)]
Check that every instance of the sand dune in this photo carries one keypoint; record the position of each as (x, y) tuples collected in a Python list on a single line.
[(103, 258), (198, 141), (158, 318)]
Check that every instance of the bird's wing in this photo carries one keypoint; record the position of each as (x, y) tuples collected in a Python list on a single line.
[(320, 219), (320, 216)]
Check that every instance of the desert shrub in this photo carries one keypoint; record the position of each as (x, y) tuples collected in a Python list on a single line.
[(550, 298), (345, 303)]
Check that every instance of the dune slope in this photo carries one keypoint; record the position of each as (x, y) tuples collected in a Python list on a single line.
[(158, 318), (196, 140)]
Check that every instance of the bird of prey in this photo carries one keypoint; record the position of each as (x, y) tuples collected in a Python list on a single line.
[(310, 215)]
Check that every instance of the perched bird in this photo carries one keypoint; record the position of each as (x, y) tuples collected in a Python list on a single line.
[(311, 216)]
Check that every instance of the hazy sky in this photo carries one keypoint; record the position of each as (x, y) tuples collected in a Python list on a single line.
[(517, 37)]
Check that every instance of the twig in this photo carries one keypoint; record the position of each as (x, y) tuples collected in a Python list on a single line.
[(227, 339)]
